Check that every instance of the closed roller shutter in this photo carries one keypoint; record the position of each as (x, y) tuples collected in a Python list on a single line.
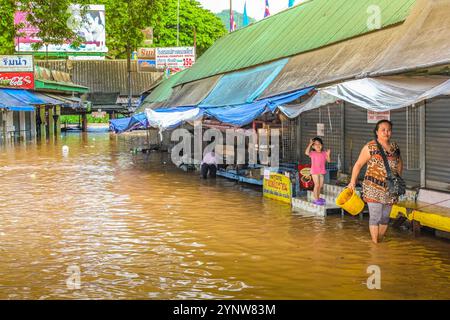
[(358, 132), (437, 171), (330, 116)]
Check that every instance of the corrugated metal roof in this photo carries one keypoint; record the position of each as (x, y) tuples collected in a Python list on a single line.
[(162, 92), (192, 93), (336, 62), (105, 75), (302, 28)]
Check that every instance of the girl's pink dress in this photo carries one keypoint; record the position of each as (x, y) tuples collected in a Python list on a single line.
[(318, 161)]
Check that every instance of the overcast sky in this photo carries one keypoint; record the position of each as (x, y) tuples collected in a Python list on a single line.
[(255, 8)]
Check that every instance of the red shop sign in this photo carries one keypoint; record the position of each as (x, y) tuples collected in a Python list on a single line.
[(19, 80)]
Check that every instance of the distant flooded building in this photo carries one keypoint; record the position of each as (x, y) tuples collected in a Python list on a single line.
[(107, 81)]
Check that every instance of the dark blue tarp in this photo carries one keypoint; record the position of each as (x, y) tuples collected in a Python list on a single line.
[(243, 114), (124, 124), (119, 125), (238, 115)]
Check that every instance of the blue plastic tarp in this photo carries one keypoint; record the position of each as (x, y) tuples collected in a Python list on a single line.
[(11, 102), (238, 115), (131, 123), (243, 114), (274, 102), (119, 125), (25, 96), (242, 87)]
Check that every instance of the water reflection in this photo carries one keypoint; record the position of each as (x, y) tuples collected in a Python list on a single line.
[(139, 228)]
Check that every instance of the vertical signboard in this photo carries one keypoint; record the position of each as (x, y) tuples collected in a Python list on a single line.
[(17, 71)]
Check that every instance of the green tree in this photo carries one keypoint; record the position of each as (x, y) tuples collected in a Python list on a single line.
[(208, 28), (7, 28), (125, 20)]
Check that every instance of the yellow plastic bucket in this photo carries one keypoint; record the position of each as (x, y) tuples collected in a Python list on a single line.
[(350, 202)]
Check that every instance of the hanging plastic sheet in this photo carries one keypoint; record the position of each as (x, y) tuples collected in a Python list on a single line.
[(138, 121), (318, 100), (388, 93), (170, 120), (243, 114), (241, 87), (119, 125), (274, 102), (238, 115)]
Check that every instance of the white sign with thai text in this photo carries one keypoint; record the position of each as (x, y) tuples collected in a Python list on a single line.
[(16, 63), (176, 58), (374, 117)]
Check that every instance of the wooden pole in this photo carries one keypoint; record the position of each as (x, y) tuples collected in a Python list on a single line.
[(43, 122), (51, 122), (58, 121)]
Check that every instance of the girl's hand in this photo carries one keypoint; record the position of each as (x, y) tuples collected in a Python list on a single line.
[(351, 186), (311, 142), (328, 152)]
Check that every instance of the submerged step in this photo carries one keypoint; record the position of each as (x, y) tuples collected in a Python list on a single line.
[(306, 205)]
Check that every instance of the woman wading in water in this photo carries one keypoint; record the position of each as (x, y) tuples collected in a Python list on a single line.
[(375, 191)]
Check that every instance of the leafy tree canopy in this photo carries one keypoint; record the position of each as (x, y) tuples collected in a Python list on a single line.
[(208, 28), (52, 18), (7, 30), (124, 21)]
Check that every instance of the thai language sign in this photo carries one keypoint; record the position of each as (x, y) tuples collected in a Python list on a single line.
[(92, 29), (374, 117), (175, 59), (16, 63), (17, 80), (278, 187)]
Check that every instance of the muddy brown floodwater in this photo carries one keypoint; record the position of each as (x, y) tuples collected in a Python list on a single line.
[(138, 228)]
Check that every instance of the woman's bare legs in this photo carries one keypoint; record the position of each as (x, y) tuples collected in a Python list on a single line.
[(374, 232)]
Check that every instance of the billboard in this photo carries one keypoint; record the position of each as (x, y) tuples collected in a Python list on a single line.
[(92, 29), (175, 59)]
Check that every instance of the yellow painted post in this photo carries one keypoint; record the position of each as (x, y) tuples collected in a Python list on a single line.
[(51, 122), (43, 122), (58, 121)]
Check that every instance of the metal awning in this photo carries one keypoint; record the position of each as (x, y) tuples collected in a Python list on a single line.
[(18, 100)]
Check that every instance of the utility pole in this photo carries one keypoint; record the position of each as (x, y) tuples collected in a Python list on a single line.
[(231, 13), (178, 23)]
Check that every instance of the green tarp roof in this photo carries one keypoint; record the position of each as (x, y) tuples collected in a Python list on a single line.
[(305, 27)]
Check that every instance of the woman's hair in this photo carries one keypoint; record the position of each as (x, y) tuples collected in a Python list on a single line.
[(377, 126)]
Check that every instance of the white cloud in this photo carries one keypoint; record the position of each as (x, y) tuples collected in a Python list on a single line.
[(255, 8)]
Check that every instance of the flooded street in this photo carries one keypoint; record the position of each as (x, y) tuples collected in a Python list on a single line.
[(138, 228)]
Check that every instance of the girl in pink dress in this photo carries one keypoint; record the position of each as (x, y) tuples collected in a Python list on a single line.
[(318, 161)]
